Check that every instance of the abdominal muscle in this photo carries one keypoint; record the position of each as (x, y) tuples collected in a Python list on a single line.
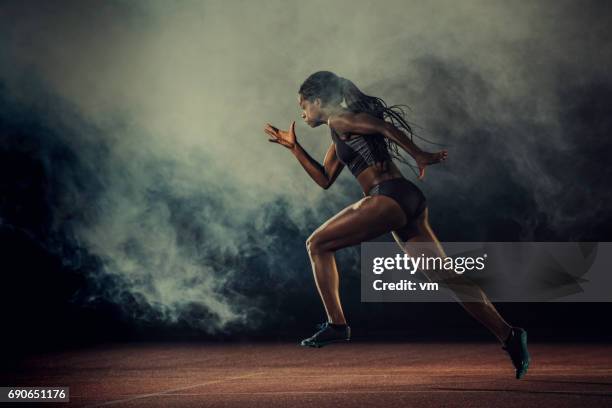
[(373, 175)]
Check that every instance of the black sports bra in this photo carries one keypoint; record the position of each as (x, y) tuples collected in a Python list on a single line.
[(358, 152)]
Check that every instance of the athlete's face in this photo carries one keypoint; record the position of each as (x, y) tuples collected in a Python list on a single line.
[(311, 111)]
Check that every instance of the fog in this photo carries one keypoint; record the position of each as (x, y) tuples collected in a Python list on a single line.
[(172, 185)]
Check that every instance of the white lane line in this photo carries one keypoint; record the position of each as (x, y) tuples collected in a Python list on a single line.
[(155, 394), (577, 393)]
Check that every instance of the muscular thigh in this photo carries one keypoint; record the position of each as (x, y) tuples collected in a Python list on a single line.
[(368, 218), (416, 229)]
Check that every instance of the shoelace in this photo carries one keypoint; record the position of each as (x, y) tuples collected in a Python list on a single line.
[(321, 328), (321, 325)]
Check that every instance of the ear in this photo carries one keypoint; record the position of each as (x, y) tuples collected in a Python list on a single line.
[(318, 102)]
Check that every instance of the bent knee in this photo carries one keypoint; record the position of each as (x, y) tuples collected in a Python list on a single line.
[(315, 245)]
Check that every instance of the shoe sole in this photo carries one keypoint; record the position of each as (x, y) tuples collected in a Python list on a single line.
[(324, 343)]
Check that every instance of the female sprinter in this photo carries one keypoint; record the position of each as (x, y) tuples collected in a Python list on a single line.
[(365, 134)]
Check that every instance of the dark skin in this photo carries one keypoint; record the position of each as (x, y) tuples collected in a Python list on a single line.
[(372, 216), (346, 124)]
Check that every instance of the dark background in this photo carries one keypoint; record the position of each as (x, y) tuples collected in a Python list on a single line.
[(521, 179)]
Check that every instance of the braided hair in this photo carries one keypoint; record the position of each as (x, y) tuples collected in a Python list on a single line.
[(333, 89)]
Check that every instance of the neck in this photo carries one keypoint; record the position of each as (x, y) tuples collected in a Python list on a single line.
[(333, 112)]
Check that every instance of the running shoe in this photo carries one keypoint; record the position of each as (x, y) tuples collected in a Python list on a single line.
[(327, 334), (516, 346)]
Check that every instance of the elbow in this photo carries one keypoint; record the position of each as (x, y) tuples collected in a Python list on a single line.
[(388, 131), (326, 184)]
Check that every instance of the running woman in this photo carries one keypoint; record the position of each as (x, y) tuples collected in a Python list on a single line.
[(365, 135)]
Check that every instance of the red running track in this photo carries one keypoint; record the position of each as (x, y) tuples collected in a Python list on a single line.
[(339, 375)]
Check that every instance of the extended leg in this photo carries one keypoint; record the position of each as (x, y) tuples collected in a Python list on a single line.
[(467, 292), (419, 238)]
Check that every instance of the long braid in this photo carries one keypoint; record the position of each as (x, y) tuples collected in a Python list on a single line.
[(357, 101), (332, 89)]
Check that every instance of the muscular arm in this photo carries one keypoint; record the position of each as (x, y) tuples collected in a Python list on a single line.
[(324, 175)]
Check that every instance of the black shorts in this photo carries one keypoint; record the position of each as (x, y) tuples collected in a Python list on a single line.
[(405, 193)]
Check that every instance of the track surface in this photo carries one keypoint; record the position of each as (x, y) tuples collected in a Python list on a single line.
[(340, 375)]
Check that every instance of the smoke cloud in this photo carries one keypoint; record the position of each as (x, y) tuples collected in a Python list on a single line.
[(144, 120)]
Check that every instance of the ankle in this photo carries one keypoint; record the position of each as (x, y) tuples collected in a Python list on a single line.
[(507, 335)]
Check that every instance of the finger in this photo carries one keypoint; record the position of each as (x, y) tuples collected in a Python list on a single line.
[(421, 173), (269, 132), (272, 127), (292, 127)]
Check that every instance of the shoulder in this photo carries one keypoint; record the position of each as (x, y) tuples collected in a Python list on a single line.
[(342, 121), (356, 123)]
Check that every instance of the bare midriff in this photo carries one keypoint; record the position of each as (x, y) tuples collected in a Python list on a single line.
[(373, 175)]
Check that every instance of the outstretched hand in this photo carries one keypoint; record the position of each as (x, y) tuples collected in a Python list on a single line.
[(283, 137), (427, 159)]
